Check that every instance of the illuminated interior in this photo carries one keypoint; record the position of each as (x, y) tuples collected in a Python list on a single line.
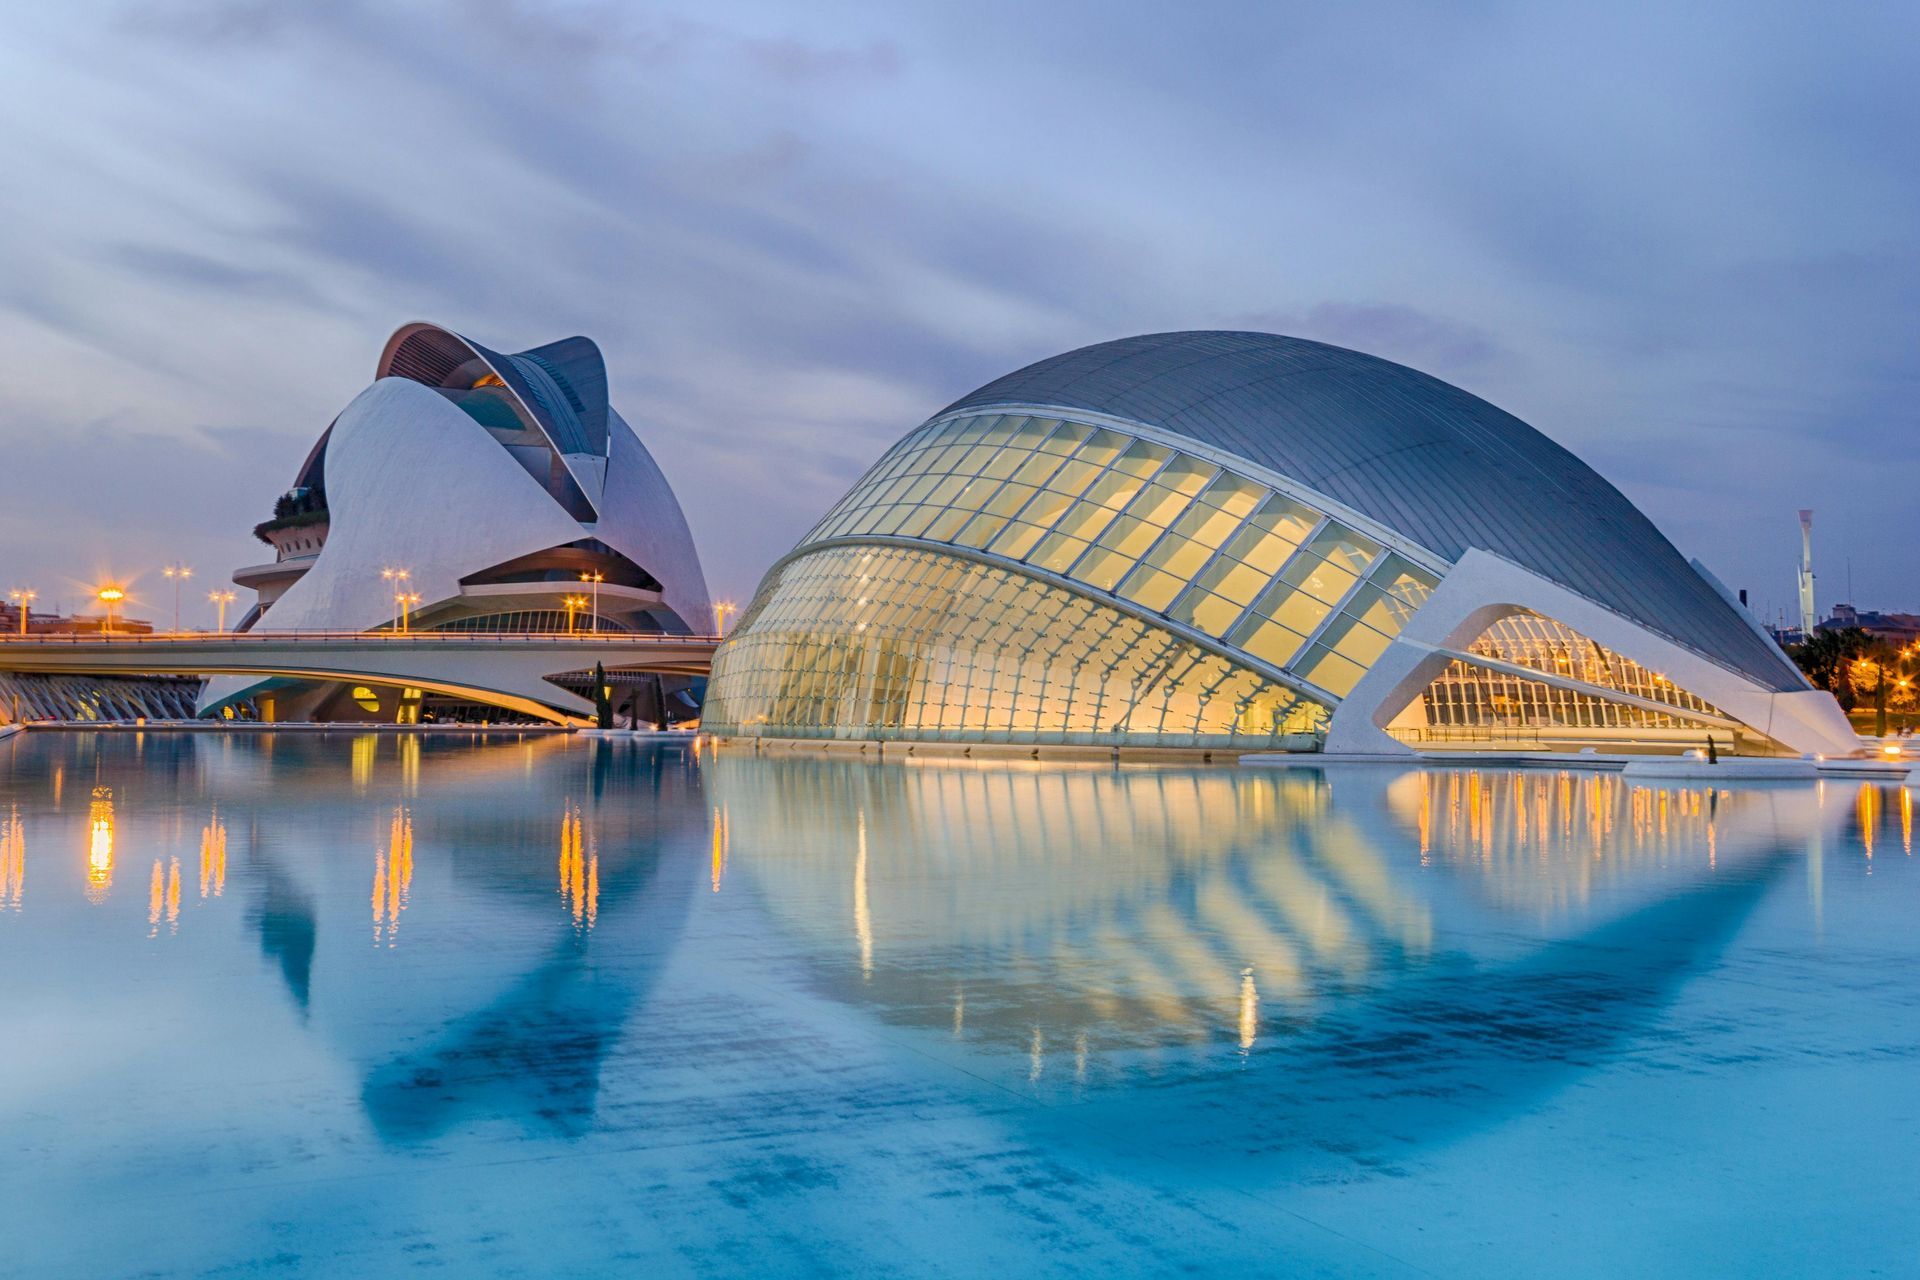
[(892, 642)]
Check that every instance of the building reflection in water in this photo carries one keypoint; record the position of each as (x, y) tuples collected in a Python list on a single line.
[(100, 845), (213, 856), (579, 870), (1035, 906), (393, 877), (163, 896), (13, 860), (722, 837), (364, 749)]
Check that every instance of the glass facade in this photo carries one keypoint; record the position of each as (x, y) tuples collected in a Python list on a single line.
[(888, 642), (1163, 530), (1472, 697)]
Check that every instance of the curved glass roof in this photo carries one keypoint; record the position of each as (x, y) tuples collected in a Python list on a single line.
[(1444, 468)]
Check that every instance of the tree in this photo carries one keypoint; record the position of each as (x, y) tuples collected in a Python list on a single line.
[(1828, 658), (602, 698)]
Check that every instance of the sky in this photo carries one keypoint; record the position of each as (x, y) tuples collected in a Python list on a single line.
[(1680, 240)]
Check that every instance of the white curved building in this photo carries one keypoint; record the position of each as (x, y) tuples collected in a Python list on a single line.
[(1243, 542), (494, 482)]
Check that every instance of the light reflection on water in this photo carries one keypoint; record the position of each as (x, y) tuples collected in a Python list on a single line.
[(1290, 978)]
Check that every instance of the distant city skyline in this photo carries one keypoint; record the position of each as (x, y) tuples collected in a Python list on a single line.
[(1676, 243)]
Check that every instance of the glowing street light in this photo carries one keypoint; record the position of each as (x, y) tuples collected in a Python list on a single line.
[(574, 605), (398, 577), (403, 602), (177, 574), (24, 598), (221, 599), (721, 608), (596, 578), (110, 595)]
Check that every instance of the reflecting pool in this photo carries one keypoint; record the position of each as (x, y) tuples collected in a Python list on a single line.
[(360, 1005)]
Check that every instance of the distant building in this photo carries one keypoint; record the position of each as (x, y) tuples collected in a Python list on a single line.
[(51, 624), (1900, 629), (496, 493), (1243, 542)]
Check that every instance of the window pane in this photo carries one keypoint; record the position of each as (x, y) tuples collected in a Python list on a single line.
[(1269, 641), (1017, 539), (1142, 459), (1102, 447), (1234, 495), (1103, 568), (1056, 551), (1152, 588)]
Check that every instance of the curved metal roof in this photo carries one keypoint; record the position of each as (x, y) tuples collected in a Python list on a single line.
[(1443, 467)]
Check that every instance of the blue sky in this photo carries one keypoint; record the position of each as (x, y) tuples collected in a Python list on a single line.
[(1680, 241)]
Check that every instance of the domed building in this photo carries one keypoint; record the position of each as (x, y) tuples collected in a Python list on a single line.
[(1243, 542), (469, 490)]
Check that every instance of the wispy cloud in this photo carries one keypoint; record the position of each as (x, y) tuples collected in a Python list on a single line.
[(1676, 241)]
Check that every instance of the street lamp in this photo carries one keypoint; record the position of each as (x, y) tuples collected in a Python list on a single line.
[(398, 578), (221, 599), (110, 595), (574, 605), (721, 608), (596, 578), (177, 573), (24, 598), (403, 602)]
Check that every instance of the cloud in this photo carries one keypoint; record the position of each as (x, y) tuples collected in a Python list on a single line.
[(794, 239)]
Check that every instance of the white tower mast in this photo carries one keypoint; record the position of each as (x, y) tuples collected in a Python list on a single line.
[(1806, 575)]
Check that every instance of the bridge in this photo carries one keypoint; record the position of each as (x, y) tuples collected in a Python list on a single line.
[(511, 670)]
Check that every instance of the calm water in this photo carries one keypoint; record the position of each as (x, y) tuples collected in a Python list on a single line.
[(369, 1005)]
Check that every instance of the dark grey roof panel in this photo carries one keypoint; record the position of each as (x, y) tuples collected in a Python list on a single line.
[(1442, 467)]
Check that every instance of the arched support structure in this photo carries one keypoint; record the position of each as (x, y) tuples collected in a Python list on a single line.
[(1483, 588), (511, 672)]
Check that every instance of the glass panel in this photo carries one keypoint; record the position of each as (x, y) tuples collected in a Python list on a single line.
[(1085, 520), (1234, 495), (1151, 588), (1068, 438), (1017, 539), (1158, 504), (903, 643), (1205, 525), (1073, 477), (1142, 459), (981, 531), (1130, 537), (1056, 551), (1268, 641), (1186, 475), (1103, 567), (1178, 556), (1102, 447), (1335, 674)]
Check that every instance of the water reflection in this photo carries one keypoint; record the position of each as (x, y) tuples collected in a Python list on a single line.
[(393, 877), (100, 845), (213, 856), (1341, 941), (579, 870), (1157, 906), (13, 859)]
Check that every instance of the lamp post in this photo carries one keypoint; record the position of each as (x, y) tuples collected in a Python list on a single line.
[(398, 577), (721, 608), (593, 615), (177, 574), (110, 595), (574, 605), (403, 602), (24, 598), (221, 599)]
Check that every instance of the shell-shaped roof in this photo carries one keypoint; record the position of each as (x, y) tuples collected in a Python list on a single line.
[(1442, 467)]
